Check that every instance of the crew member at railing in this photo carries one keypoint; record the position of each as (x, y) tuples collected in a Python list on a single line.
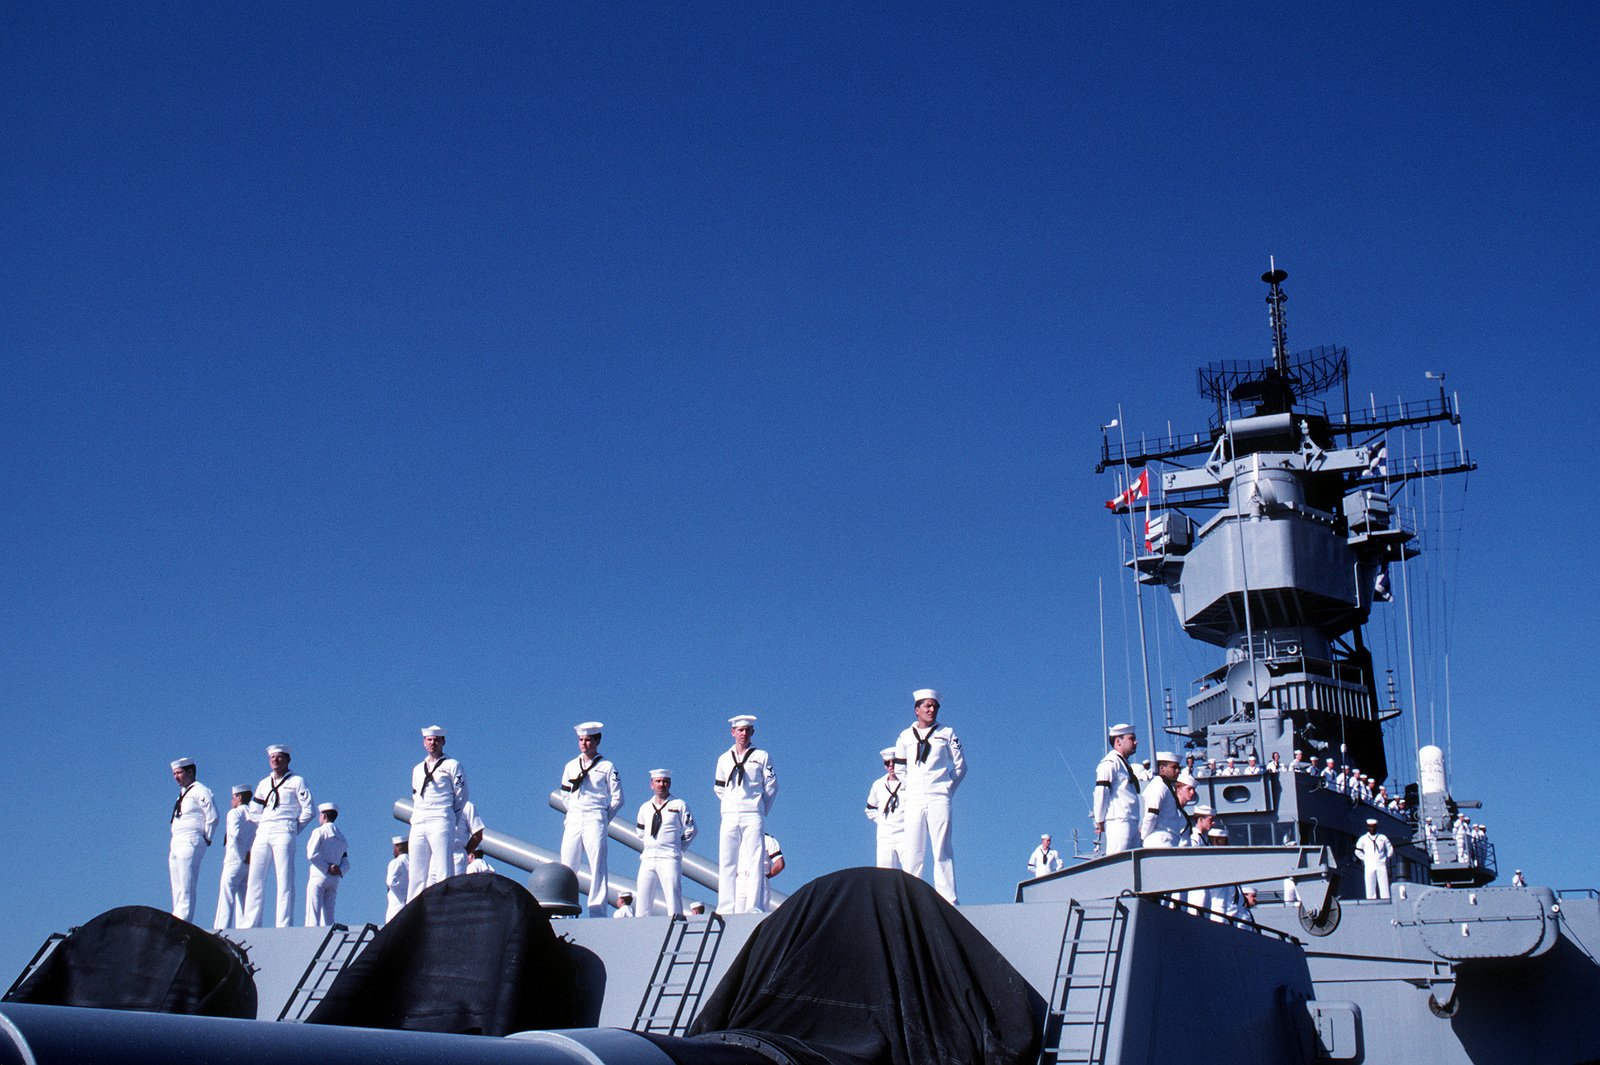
[(1375, 852), (1116, 792), (1161, 822)]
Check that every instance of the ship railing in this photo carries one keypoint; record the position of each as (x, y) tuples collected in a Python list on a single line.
[(1578, 893), (1376, 417), (1247, 923), (1282, 651)]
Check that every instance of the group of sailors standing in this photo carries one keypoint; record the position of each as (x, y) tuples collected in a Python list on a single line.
[(1457, 840), (1349, 781), (1129, 811), (911, 803), (261, 831), (746, 786)]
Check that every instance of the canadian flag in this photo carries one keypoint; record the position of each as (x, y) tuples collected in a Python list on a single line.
[(1139, 489)]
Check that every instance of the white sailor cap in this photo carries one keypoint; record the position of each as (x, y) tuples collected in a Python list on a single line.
[(277, 748), (1167, 756), (925, 693), (660, 774), (433, 730), (1219, 830), (624, 894), (243, 789), (1373, 821), (182, 763), (887, 754), (589, 728), (327, 807), (1253, 757), (398, 840), (1204, 811), (1186, 777), (1330, 761), (1120, 730), (1044, 835), (1519, 872), (743, 721)]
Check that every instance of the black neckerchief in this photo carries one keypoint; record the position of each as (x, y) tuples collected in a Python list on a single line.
[(583, 771), (894, 799), (177, 807), (272, 791), (738, 775), (1128, 769), (427, 775), (924, 743), (655, 818)]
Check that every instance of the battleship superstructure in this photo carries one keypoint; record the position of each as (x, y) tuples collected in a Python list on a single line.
[(1273, 533)]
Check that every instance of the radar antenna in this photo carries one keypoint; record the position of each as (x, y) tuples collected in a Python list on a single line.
[(1275, 302)]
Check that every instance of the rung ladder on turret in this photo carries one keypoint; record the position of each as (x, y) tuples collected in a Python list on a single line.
[(1086, 976), (679, 980), (337, 949)]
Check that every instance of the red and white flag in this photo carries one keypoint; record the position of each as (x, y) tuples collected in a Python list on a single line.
[(1139, 489)]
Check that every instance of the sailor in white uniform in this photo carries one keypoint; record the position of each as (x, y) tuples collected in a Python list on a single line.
[(929, 756), (772, 863), (281, 808), (238, 833), (666, 828), (1161, 821), (194, 819), (469, 833), (1116, 793), (1224, 900), (328, 855), (746, 785), (398, 878), (886, 810), (1204, 820), (625, 906), (477, 863), (594, 795), (1374, 850), (1045, 859), (438, 792)]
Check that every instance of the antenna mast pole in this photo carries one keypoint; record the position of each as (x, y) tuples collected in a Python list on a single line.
[(1280, 325)]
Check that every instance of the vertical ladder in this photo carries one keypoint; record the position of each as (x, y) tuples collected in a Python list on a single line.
[(1086, 977), (679, 980), (335, 953)]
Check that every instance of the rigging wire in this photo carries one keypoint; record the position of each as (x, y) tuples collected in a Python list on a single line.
[(1122, 601), (1411, 661), (1105, 709)]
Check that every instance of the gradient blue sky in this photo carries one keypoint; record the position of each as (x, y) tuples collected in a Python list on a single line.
[(371, 366)]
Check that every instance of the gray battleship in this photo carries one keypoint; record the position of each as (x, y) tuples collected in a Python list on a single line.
[(1273, 534)]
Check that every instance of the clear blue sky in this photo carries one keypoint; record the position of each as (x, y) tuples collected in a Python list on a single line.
[(371, 366)]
